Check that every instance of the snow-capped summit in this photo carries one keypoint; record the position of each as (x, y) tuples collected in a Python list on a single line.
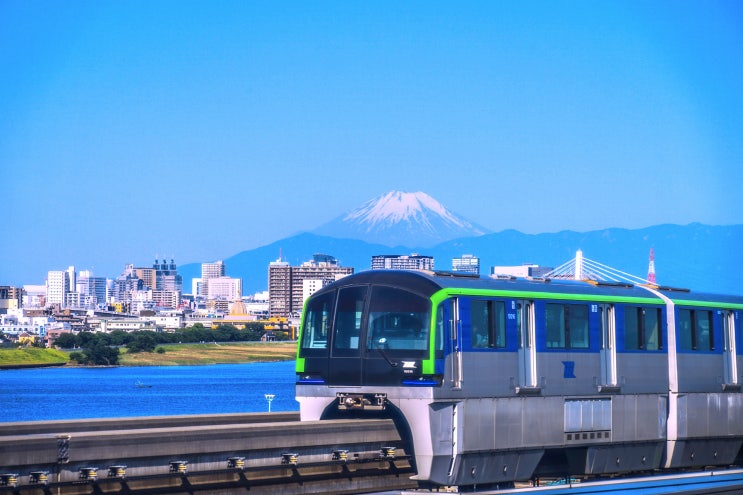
[(401, 219)]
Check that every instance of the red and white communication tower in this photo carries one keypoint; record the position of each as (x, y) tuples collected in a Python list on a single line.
[(651, 267)]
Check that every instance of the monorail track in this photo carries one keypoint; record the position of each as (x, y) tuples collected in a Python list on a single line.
[(222, 454)]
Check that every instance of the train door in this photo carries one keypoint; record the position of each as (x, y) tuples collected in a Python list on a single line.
[(455, 334), (527, 345), (729, 350), (449, 328), (608, 346), (345, 354)]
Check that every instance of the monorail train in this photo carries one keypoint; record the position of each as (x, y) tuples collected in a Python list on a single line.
[(495, 380)]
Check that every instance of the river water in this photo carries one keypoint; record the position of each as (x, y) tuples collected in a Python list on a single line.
[(39, 394)]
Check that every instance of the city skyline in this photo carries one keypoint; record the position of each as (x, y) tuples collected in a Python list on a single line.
[(196, 131)]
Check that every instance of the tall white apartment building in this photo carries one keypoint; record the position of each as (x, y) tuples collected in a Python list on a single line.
[(71, 279), (227, 288), (57, 286), (196, 286), (210, 270)]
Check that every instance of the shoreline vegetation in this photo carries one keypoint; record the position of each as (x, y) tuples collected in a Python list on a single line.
[(171, 355)]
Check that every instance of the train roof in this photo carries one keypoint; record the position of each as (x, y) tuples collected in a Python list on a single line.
[(427, 283)]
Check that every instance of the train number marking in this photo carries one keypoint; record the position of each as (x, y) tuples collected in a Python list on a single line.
[(568, 369)]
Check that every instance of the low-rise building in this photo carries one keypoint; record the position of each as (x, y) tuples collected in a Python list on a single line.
[(414, 261), (525, 270), (467, 263), (28, 339)]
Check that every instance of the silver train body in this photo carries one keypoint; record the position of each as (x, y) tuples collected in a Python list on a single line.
[(493, 381)]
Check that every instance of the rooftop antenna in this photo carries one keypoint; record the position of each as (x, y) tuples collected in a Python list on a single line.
[(651, 267)]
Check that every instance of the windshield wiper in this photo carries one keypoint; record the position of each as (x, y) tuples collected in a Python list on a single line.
[(380, 343)]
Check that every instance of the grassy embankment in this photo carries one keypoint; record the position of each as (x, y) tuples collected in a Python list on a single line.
[(180, 354), (222, 353), (32, 356)]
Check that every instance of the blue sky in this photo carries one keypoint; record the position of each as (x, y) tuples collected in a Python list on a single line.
[(130, 130)]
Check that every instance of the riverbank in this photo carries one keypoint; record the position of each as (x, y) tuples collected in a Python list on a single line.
[(171, 355), (212, 353), (30, 357)]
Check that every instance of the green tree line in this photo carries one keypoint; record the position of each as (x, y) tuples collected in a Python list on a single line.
[(99, 348)]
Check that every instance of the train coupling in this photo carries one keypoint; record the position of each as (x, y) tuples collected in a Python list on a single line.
[(357, 402)]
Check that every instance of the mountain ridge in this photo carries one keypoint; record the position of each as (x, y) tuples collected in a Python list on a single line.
[(697, 256), (700, 257)]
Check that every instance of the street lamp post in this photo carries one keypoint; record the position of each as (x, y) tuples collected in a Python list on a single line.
[(269, 398)]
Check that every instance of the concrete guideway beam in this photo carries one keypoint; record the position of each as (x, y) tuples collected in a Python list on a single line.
[(147, 454)]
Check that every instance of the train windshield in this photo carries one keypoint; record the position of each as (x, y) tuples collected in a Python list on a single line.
[(362, 321), (398, 322)]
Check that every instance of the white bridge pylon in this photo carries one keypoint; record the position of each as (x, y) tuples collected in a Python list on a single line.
[(582, 268)]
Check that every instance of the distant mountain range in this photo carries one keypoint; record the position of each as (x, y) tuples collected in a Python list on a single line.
[(703, 258)]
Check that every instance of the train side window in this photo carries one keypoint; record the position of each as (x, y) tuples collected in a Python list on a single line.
[(488, 320), (684, 329), (651, 323), (632, 334), (642, 329), (347, 329), (704, 334), (576, 317), (567, 326), (695, 330), (317, 322), (555, 325), (499, 328)]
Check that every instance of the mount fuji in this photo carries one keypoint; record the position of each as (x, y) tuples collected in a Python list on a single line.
[(401, 219), (702, 257)]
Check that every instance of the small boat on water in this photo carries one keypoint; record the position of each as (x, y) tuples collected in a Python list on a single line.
[(142, 385)]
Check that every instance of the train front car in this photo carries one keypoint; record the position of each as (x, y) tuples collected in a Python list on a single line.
[(494, 381), (369, 349)]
